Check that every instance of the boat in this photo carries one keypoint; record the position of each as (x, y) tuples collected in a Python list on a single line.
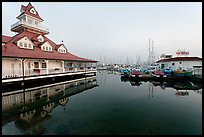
[(181, 93), (136, 73), (158, 73), (168, 71), (135, 83), (144, 71), (188, 73), (125, 72), (179, 73)]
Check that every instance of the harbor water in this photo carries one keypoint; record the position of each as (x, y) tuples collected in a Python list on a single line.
[(105, 104)]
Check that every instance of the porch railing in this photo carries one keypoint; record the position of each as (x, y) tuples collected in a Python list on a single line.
[(12, 73)]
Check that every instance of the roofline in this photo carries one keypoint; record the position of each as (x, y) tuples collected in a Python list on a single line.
[(181, 59)]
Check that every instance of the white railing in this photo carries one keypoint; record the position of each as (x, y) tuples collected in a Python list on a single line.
[(12, 73), (30, 25)]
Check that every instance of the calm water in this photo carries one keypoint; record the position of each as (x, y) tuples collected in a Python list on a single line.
[(106, 104)]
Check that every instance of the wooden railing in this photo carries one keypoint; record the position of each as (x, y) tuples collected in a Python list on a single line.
[(12, 73)]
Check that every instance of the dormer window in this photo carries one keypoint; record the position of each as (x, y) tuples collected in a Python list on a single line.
[(46, 47), (32, 11), (21, 44), (25, 45), (40, 38), (62, 49), (25, 42)]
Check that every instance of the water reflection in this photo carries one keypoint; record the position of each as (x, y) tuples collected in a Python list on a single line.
[(182, 88), (30, 108)]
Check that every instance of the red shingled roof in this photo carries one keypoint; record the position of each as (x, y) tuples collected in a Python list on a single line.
[(180, 59), (6, 39), (27, 11), (12, 50)]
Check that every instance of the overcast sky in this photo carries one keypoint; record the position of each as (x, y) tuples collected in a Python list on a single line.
[(117, 31)]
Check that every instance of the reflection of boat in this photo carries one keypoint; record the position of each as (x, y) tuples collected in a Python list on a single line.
[(186, 85), (183, 85), (31, 107), (135, 83), (124, 78), (180, 93)]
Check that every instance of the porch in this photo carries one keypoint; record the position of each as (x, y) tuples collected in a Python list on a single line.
[(18, 73)]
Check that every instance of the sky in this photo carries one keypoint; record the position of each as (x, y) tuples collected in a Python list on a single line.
[(117, 32)]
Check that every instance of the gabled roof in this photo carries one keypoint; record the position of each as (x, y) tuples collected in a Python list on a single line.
[(12, 50), (6, 39), (180, 59), (27, 11), (59, 45)]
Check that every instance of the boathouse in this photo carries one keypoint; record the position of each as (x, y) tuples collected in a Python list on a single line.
[(184, 63), (30, 53)]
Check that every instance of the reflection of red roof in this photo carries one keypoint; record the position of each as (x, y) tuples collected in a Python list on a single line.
[(180, 59), (6, 39), (27, 11), (12, 50)]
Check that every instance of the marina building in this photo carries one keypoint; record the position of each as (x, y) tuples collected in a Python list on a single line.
[(182, 61), (30, 53)]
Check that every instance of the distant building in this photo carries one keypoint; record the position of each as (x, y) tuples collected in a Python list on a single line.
[(184, 63), (30, 52)]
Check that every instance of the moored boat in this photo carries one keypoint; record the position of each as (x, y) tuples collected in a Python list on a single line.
[(136, 73), (125, 72), (179, 73), (158, 73), (168, 71), (144, 71), (188, 73)]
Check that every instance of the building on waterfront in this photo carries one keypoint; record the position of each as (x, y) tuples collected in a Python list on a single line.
[(30, 52), (181, 61)]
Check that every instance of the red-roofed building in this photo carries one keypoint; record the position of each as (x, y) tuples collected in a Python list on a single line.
[(30, 50), (184, 63), (5, 39)]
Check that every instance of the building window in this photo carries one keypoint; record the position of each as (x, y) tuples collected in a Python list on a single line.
[(162, 66), (36, 64), (25, 45), (47, 48), (36, 23), (21, 44), (173, 64), (44, 65), (29, 46), (43, 48), (12, 66), (30, 21)]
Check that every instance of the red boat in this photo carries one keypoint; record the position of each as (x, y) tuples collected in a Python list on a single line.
[(158, 73), (136, 73)]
